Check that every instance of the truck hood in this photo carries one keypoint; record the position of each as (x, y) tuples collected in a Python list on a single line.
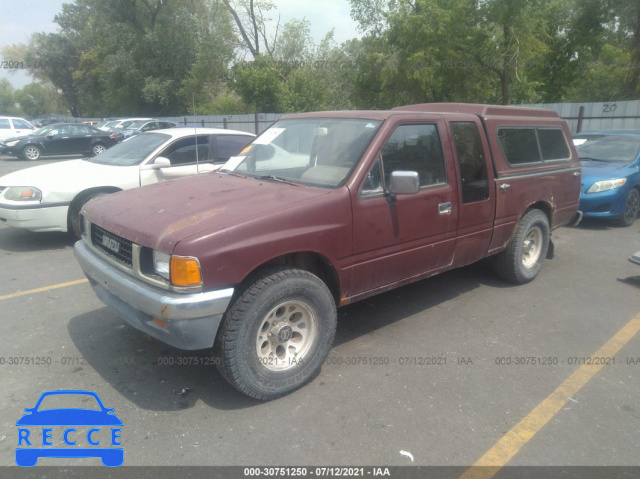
[(159, 216), (63, 180), (601, 170)]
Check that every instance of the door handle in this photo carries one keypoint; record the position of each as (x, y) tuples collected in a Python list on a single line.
[(444, 208), (505, 186), (576, 173)]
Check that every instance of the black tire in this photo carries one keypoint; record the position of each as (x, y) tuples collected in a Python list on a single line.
[(31, 152), (280, 312), (631, 208), (97, 149), (75, 218), (522, 260)]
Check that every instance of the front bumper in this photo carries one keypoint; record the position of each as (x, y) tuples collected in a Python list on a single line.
[(608, 204), (191, 319), (41, 217), (10, 150)]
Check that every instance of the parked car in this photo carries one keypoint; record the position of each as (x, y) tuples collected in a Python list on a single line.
[(12, 127), (610, 178), (59, 139), (39, 123), (119, 125), (104, 125), (49, 197), (322, 210), (141, 126)]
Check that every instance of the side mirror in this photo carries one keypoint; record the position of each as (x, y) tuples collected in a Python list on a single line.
[(50, 135), (159, 162), (404, 183), (263, 152)]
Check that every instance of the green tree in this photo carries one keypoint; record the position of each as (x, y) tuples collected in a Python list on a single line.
[(7, 99), (260, 85), (451, 50), (135, 56), (251, 18), (36, 100), (628, 17), (288, 78)]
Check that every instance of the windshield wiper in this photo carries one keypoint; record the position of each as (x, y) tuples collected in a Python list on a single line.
[(277, 178)]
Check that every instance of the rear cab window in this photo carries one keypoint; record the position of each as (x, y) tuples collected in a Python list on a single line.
[(524, 146)]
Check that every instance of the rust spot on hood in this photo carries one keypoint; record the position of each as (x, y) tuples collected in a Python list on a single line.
[(185, 222)]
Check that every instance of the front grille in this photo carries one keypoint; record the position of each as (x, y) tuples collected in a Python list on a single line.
[(112, 245)]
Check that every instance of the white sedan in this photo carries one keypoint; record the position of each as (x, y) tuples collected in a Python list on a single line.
[(50, 197)]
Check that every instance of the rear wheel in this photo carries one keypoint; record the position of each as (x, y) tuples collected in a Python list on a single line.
[(75, 218), (31, 152), (97, 149), (277, 333), (522, 260), (631, 208)]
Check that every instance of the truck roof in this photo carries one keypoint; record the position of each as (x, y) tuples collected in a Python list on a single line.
[(483, 111)]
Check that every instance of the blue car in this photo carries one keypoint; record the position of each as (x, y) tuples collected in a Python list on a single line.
[(610, 179), (29, 435)]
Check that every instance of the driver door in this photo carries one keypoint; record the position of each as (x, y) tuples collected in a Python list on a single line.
[(405, 236), (56, 141)]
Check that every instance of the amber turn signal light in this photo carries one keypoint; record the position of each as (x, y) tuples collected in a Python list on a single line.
[(185, 271)]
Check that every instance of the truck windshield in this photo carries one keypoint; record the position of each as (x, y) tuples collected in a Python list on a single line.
[(310, 151), (607, 147)]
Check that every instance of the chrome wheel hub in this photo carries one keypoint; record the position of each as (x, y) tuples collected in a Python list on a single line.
[(286, 336), (532, 247)]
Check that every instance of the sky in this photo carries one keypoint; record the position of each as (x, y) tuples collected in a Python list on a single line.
[(21, 18)]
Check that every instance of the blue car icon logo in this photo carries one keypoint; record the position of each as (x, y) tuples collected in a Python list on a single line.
[(85, 432)]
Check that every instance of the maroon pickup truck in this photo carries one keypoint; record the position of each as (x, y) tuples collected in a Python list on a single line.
[(321, 210)]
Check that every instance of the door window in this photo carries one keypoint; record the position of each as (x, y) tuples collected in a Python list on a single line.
[(60, 131), (414, 147), (183, 151), (230, 145), (22, 124), (79, 130)]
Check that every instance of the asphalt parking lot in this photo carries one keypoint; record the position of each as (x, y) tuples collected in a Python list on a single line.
[(456, 370)]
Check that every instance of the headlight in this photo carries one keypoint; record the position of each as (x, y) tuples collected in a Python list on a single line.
[(179, 270), (161, 264), (12, 143), (606, 185), (23, 193)]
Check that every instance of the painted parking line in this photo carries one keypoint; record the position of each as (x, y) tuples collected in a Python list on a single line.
[(512, 442), (42, 290)]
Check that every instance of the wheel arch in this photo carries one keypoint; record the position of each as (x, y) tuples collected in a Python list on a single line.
[(310, 261), (543, 206), (83, 195)]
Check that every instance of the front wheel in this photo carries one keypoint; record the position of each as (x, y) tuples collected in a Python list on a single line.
[(277, 333), (522, 260), (631, 208), (31, 152), (75, 218)]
